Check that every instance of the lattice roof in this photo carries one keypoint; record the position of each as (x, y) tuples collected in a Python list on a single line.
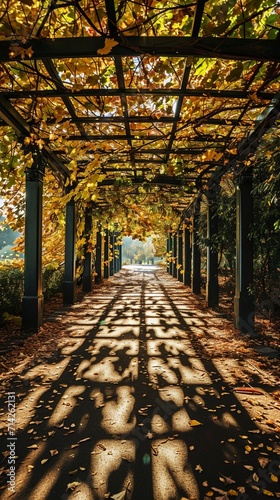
[(166, 93)]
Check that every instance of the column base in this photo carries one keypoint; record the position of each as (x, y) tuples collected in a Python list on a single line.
[(69, 292), (32, 311), (187, 280), (244, 312), (196, 286), (212, 293), (87, 283)]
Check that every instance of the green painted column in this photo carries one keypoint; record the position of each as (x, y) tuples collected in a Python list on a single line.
[(106, 254), (187, 257), (33, 301), (70, 284), (120, 255), (112, 245), (180, 275), (167, 253), (196, 259), (174, 255), (117, 252), (244, 308), (212, 284), (87, 273), (170, 246), (98, 256)]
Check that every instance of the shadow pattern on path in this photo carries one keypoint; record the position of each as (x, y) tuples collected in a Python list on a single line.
[(136, 404)]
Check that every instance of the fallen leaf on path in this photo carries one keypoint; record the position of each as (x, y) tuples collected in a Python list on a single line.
[(84, 440), (72, 486), (194, 423), (119, 496), (73, 472), (226, 480), (249, 390), (249, 467), (53, 452)]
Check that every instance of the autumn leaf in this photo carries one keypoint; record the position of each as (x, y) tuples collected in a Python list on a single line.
[(194, 423), (109, 44), (29, 52), (119, 496), (72, 486), (53, 452)]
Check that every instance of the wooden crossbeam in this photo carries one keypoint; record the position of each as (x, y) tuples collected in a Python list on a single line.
[(167, 46)]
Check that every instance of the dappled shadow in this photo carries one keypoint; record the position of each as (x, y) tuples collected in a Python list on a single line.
[(138, 400)]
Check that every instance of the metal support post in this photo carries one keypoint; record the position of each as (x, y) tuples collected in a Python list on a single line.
[(87, 274), (212, 284), (33, 301), (69, 284), (244, 308), (174, 255), (196, 259), (180, 255), (112, 245), (106, 254), (98, 256), (187, 257)]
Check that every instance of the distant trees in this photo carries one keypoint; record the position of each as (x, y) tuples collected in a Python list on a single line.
[(7, 238), (139, 252)]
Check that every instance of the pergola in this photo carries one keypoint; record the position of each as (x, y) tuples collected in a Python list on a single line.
[(167, 94)]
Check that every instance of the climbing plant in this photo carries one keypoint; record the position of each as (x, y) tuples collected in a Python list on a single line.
[(117, 125)]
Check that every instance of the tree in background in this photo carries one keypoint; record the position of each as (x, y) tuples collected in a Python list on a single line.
[(136, 251)]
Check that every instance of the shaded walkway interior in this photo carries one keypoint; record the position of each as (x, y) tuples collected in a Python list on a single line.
[(138, 401)]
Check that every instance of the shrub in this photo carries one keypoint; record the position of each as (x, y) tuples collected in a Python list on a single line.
[(11, 288), (52, 281)]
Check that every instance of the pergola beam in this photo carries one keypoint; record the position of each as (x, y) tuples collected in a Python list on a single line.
[(166, 46), (101, 92), (22, 128)]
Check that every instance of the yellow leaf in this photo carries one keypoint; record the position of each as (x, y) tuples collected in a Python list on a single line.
[(73, 472), (29, 52), (232, 493), (268, 493), (194, 423), (249, 467), (44, 461), (53, 452), (109, 44), (72, 486), (274, 478)]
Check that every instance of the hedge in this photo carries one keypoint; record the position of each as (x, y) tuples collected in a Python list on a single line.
[(11, 288)]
